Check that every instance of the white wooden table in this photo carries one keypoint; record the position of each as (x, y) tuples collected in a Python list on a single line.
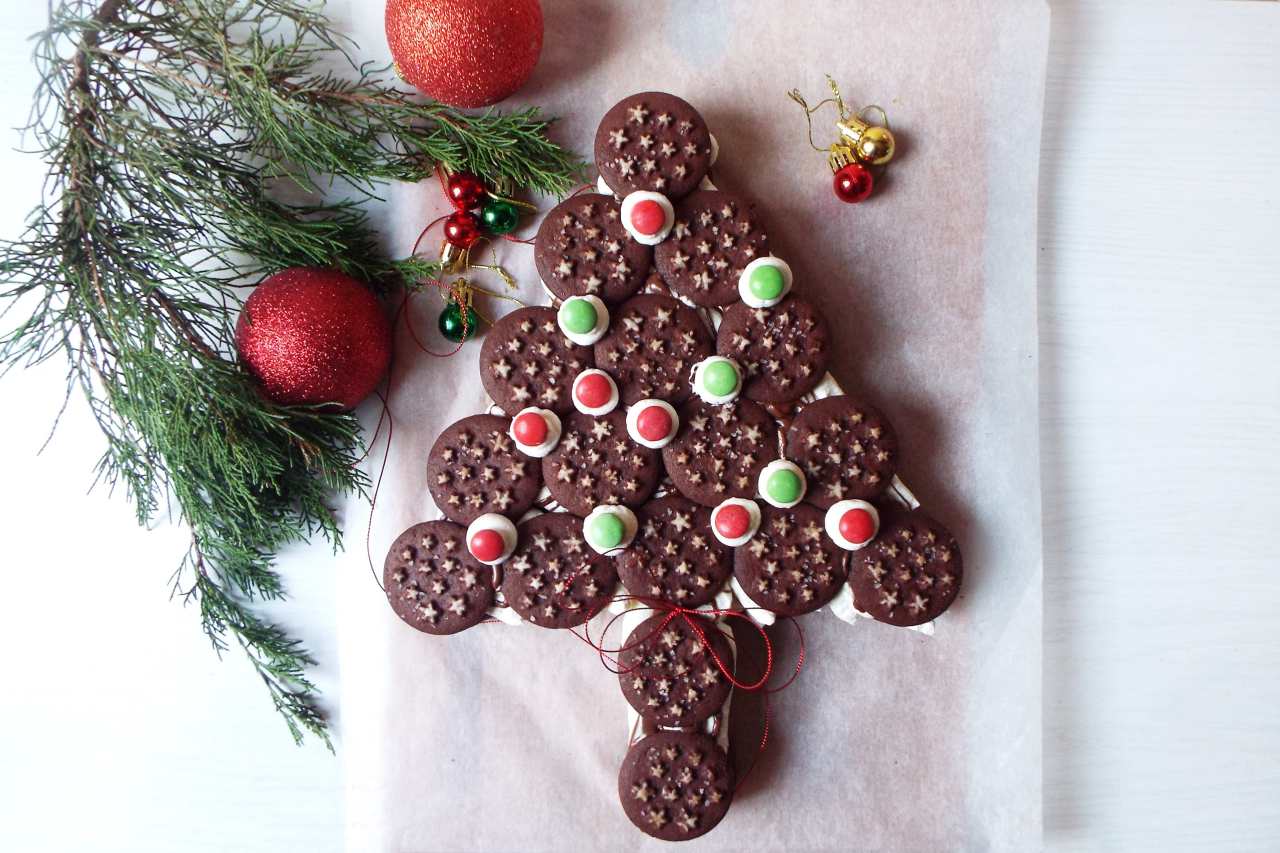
[(1160, 407), (1160, 324)]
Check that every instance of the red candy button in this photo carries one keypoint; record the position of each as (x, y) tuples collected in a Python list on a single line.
[(857, 526), (653, 423), (593, 391), (733, 521), (648, 217), (530, 429), (487, 545)]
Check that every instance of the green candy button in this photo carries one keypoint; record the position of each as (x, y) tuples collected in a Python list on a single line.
[(607, 530), (720, 378), (784, 486), (766, 282), (578, 316)]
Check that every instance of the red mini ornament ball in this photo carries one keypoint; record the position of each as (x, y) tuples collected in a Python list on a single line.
[(853, 183), (465, 53), (465, 190), (311, 336), (462, 229)]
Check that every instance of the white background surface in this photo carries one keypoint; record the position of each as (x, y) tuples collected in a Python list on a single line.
[(1160, 295)]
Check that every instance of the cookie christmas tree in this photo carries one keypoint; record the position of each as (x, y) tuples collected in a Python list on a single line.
[(667, 444)]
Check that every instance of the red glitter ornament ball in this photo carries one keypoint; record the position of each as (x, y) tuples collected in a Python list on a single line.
[(465, 53), (853, 183), (312, 336)]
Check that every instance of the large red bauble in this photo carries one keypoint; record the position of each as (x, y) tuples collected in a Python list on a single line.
[(465, 53), (312, 336)]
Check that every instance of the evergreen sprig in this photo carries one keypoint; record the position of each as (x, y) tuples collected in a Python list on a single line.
[(173, 131)]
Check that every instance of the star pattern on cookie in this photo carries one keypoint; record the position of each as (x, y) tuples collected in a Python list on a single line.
[(655, 142), (792, 567), (675, 785), (782, 350), (526, 361), (910, 573), (720, 450), (846, 447), (674, 556), (553, 579), (474, 468), (651, 347), (714, 237), (582, 249), (670, 675), (596, 462), (432, 583)]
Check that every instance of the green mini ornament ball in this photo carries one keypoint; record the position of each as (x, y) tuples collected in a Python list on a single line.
[(451, 322), (500, 217)]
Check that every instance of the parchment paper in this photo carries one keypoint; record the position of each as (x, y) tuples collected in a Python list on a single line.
[(509, 738)]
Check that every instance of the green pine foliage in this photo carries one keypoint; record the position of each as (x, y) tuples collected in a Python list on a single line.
[(170, 130)]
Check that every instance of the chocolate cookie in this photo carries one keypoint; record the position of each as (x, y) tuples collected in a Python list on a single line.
[(433, 583), (474, 468), (716, 234), (583, 250), (848, 450), (790, 566), (720, 450), (653, 141), (526, 361), (675, 785), (651, 345), (669, 675), (596, 462), (909, 574), (674, 556), (553, 579), (782, 350)]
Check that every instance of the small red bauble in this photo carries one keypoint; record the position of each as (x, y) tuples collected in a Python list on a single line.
[(593, 391), (653, 423), (857, 526), (487, 545), (312, 336), (462, 229), (733, 521), (465, 190), (530, 429), (853, 183), (648, 217), (465, 53)]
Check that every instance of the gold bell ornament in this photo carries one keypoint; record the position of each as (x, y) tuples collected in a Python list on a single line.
[(862, 149)]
